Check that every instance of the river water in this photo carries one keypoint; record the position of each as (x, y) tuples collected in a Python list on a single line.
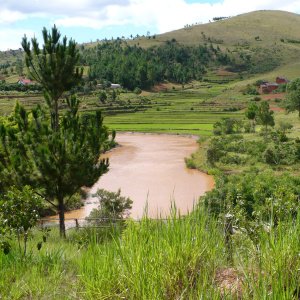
[(150, 169)]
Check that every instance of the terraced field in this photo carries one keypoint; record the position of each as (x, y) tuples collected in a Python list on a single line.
[(189, 110)]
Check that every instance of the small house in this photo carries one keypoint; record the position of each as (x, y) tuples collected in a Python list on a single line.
[(267, 88), (115, 86), (25, 81), (281, 80), (111, 86)]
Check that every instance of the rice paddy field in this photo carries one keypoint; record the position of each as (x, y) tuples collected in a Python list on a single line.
[(192, 109)]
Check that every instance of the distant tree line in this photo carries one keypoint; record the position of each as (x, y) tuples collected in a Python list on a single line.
[(133, 66), (19, 87)]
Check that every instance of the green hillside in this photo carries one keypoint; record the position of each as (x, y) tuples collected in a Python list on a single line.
[(270, 26), (275, 31), (256, 42)]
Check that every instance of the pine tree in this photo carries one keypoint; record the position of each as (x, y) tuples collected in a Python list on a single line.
[(56, 163), (60, 154), (54, 66)]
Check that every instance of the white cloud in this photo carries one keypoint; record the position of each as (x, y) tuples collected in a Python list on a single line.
[(9, 16), (168, 15), (165, 15), (11, 38), (58, 7)]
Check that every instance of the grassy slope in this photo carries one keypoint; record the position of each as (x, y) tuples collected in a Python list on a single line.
[(270, 26), (173, 259), (240, 32)]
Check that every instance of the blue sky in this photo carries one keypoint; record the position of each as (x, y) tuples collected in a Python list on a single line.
[(89, 20)]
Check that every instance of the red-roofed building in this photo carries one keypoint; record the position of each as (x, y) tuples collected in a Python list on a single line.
[(281, 80), (25, 81), (268, 88)]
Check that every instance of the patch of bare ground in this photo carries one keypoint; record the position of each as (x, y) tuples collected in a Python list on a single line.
[(145, 93), (273, 96), (275, 108), (229, 282), (166, 86), (224, 72)]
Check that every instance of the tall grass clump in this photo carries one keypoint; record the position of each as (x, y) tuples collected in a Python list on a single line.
[(47, 273), (155, 259), (271, 267)]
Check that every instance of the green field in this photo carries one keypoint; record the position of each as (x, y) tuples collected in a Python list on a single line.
[(192, 110)]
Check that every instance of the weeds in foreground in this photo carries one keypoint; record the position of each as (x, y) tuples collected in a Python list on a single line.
[(177, 258)]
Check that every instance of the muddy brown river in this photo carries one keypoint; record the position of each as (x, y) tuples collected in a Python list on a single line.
[(150, 169)]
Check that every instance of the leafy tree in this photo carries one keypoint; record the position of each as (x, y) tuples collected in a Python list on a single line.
[(114, 95), (285, 126), (214, 152), (251, 114), (265, 115), (112, 207), (250, 90), (137, 91), (227, 126), (54, 67), (19, 212), (102, 97), (19, 67), (293, 96), (57, 163)]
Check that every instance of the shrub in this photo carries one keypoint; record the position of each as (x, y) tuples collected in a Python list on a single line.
[(19, 212), (231, 159), (272, 156), (256, 99), (255, 199), (250, 90), (112, 206), (137, 91)]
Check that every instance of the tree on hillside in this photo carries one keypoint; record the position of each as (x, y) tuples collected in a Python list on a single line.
[(293, 96), (102, 97), (54, 66), (19, 67), (265, 115), (251, 114), (56, 163)]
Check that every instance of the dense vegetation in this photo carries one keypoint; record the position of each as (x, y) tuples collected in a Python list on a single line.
[(133, 66)]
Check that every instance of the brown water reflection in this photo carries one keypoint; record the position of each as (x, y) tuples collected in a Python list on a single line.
[(150, 169)]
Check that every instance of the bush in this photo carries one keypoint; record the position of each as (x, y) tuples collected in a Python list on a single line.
[(227, 126), (112, 206), (214, 151), (255, 199), (74, 202), (137, 91), (256, 99), (250, 90), (232, 159), (19, 212), (272, 156)]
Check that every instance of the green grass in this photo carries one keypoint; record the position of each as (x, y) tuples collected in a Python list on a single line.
[(179, 258)]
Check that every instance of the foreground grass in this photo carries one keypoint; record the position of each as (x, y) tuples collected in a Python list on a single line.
[(178, 258)]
